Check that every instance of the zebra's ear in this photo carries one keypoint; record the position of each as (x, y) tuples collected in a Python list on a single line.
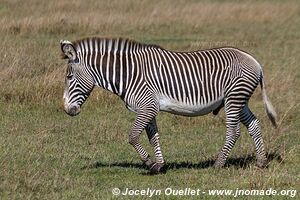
[(68, 50)]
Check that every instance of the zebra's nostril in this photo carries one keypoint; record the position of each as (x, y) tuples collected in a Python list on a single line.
[(73, 110)]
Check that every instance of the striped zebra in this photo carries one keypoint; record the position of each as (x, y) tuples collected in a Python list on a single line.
[(150, 79)]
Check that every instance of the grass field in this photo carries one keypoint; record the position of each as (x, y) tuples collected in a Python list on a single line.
[(45, 154)]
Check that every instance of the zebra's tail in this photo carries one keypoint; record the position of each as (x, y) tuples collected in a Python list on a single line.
[(268, 106)]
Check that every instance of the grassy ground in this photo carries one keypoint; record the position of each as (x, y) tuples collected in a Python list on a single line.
[(45, 154)]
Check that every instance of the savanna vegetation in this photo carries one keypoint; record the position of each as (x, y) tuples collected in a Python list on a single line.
[(45, 154)]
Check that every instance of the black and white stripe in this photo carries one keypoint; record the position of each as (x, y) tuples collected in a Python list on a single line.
[(149, 78)]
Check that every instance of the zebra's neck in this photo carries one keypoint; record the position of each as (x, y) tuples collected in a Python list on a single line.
[(114, 63)]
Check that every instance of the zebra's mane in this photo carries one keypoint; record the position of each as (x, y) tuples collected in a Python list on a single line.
[(99, 40)]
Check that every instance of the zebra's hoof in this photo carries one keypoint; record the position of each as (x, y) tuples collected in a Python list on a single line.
[(149, 163), (157, 168), (263, 163), (218, 165)]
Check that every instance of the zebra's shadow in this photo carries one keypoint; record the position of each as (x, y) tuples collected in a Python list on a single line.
[(239, 162)]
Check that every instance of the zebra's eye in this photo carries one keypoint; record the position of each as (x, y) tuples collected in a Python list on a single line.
[(69, 76)]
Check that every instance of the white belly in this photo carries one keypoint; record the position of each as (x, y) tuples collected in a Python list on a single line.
[(173, 106)]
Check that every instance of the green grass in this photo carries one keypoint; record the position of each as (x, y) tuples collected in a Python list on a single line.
[(55, 156), (45, 154)]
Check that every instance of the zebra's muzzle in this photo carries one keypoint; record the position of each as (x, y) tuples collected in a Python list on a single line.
[(73, 110)]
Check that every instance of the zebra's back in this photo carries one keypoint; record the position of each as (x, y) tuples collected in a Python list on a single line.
[(194, 83)]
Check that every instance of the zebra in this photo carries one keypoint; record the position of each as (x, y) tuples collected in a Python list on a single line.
[(149, 79)]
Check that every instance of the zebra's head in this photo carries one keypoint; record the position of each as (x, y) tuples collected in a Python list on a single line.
[(79, 81)]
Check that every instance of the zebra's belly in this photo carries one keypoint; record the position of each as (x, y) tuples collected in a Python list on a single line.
[(180, 108)]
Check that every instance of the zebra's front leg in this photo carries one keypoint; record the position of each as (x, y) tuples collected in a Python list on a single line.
[(153, 136), (143, 118), (134, 140)]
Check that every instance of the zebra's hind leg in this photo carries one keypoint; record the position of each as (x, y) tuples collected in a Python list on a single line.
[(232, 111), (252, 124), (232, 134), (153, 136)]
